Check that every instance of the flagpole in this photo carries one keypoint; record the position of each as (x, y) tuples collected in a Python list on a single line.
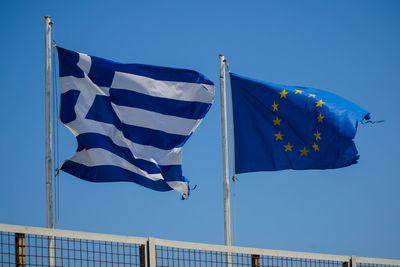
[(48, 158), (225, 155), (48, 161)]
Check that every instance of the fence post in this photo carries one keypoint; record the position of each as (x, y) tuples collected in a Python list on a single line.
[(20, 250), (353, 261), (151, 252), (142, 256), (255, 260)]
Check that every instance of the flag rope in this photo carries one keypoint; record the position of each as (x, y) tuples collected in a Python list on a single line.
[(232, 122), (232, 139), (372, 122), (56, 126)]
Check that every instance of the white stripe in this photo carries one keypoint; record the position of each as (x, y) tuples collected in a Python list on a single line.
[(85, 62), (167, 89), (100, 157), (181, 187), (84, 85), (150, 153), (156, 121)]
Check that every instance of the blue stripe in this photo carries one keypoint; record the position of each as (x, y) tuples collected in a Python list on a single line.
[(96, 140), (109, 173), (102, 111), (102, 70), (166, 106)]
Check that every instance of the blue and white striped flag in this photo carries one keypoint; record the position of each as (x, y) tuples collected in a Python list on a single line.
[(130, 120)]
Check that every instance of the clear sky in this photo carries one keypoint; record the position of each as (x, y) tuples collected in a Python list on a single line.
[(351, 48)]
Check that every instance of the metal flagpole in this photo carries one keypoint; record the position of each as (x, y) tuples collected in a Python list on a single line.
[(49, 173), (225, 166), (48, 159)]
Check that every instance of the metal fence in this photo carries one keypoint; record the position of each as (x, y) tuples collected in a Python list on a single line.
[(32, 246)]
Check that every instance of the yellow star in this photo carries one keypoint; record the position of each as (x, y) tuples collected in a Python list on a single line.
[(288, 147), (317, 135), (315, 146), (304, 152), (277, 121), (275, 106), (319, 103), (311, 95), (298, 92), (283, 93), (278, 136), (320, 118)]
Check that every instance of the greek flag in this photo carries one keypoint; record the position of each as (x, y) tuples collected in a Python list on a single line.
[(130, 120)]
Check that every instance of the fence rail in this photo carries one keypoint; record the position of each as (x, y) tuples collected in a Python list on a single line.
[(33, 246)]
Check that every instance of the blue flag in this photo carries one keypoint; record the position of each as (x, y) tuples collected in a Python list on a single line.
[(279, 127), (130, 120)]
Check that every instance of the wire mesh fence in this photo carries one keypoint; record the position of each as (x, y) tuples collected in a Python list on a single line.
[(169, 256), (18, 249), (362, 264), (31, 246)]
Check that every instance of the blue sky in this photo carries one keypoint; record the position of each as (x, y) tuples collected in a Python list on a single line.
[(350, 48)]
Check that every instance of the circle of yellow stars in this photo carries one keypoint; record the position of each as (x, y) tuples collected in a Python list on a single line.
[(277, 122)]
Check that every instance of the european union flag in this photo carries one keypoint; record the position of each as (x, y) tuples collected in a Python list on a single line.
[(279, 127)]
